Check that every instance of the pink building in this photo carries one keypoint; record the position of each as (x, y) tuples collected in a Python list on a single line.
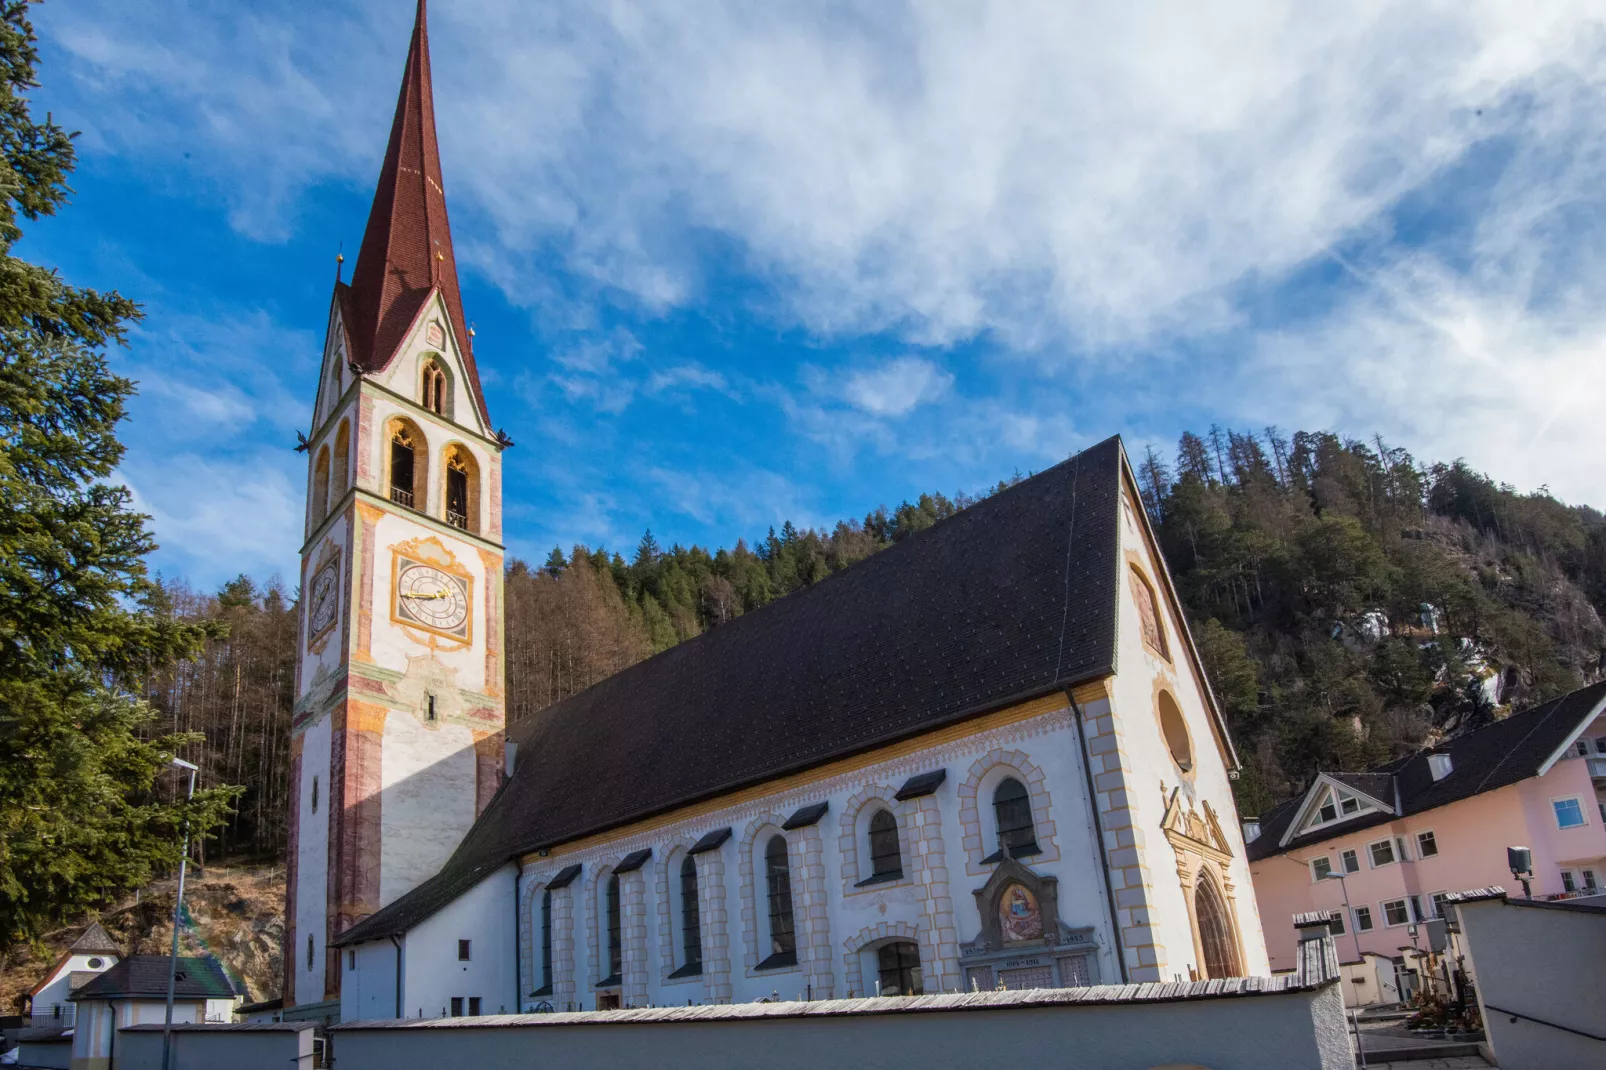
[(1402, 835)]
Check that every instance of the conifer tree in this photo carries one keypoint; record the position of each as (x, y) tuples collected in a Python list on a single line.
[(82, 816)]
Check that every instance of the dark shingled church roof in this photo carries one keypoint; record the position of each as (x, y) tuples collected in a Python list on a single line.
[(1494, 757), (1010, 599)]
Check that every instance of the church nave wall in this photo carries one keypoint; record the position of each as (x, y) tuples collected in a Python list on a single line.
[(841, 911)]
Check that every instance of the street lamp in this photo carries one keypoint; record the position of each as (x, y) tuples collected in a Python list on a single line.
[(178, 906)]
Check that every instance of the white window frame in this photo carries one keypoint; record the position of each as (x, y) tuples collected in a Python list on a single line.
[(1421, 854), (1405, 908), (1316, 877), (1576, 800), (1588, 880), (1433, 903), (1371, 856), (1352, 853), (1355, 919), (1569, 883)]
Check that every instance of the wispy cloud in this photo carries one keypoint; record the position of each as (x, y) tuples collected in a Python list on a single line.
[(896, 387)]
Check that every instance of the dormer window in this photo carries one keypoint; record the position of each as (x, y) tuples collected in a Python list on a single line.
[(1440, 765)]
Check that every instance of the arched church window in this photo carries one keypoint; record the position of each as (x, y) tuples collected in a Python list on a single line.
[(691, 929), (1215, 933), (406, 466), (1175, 730), (434, 388), (899, 966), (320, 486), (462, 488), (340, 463), (546, 940), (1012, 810), (616, 951), (1149, 613), (778, 883), (885, 859)]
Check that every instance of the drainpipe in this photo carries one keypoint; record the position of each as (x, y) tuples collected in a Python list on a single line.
[(518, 948), (1098, 835), (398, 945)]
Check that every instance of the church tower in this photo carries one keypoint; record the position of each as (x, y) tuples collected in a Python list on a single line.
[(397, 737)]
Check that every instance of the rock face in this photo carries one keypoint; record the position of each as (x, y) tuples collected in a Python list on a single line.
[(237, 915)]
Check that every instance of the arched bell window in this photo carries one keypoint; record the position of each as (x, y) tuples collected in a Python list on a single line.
[(778, 885), (434, 388), (691, 929), (408, 464), (462, 490), (340, 464), (320, 486), (1012, 812), (886, 861)]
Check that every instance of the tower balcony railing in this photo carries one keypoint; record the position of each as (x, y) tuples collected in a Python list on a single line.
[(401, 497), (456, 519)]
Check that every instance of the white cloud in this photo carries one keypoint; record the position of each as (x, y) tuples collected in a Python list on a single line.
[(220, 516), (896, 387), (1090, 185)]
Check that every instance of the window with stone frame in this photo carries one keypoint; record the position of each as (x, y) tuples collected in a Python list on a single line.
[(1012, 815), (886, 859), (1149, 615), (616, 950), (778, 897), (404, 446), (898, 969), (691, 928)]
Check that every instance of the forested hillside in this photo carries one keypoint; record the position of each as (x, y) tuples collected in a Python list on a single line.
[(1350, 603)]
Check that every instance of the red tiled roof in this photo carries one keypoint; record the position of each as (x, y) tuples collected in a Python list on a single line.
[(407, 247)]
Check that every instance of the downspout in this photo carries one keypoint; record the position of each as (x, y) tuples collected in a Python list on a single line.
[(1098, 835), (398, 945), (518, 948)]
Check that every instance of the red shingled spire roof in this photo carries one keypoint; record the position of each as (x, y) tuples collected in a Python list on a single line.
[(407, 248)]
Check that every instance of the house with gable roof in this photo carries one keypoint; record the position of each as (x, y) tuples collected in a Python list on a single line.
[(92, 954), (1381, 848)]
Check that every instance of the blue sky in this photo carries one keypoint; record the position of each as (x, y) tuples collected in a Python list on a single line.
[(731, 264)]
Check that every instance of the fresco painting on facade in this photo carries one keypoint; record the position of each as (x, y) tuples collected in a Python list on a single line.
[(1021, 919)]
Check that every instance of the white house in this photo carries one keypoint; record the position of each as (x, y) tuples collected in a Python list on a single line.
[(134, 992), (91, 954)]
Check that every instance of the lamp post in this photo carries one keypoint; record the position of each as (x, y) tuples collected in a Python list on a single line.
[(1349, 923), (178, 906)]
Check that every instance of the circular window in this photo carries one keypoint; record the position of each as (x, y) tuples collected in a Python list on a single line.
[(1175, 730), (95, 964)]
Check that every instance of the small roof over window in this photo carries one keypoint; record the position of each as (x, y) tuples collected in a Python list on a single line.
[(923, 784)]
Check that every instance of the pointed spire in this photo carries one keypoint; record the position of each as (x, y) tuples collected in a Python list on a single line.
[(407, 247)]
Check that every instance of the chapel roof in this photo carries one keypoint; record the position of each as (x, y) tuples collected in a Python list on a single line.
[(1484, 760), (146, 975), (406, 253), (1010, 599), (95, 940)]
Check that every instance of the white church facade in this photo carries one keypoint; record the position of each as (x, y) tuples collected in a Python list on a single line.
[(984, 757)]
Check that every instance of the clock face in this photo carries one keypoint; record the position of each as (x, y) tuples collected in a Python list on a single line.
[(432, 598), (324, 601)]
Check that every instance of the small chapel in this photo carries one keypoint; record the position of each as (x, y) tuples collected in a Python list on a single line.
[(986, 757)]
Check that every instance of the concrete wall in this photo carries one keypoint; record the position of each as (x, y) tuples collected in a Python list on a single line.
[(236, 1047), (46, 1054), (96, 1033), (1545, 961), (1305, 1030)]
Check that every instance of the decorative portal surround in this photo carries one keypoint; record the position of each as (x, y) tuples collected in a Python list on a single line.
[(991, 768), (1202, 851), (869, 936), (1113, 782), (853, 840)]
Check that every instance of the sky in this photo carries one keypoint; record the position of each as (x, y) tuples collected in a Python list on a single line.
[(736, 263)]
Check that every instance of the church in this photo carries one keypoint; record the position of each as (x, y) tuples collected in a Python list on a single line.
[(986, 757)]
